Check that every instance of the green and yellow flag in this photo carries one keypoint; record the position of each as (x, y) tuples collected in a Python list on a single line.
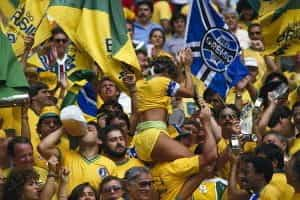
[(268, 6), (98, 27), (12, 78), (8, 7), (281, 30), (28, 19)]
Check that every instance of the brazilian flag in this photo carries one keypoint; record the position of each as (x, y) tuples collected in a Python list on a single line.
[(98, 27), (281, 30), (28, 19), (12, 78), (7, 7)]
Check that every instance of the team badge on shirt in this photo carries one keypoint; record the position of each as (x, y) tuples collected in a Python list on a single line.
[(102, 171)]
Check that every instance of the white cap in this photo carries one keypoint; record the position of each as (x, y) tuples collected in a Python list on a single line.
[(250, 62)]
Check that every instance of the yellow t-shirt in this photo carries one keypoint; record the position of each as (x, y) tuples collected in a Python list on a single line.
[(12, 118), (210, 189), (230, 98), (296, 196), (169, 177), (295, 147), (154, 93), (277, 189), (41, 172), (130, 163), (83, 170), (222, 145), (161, 11)]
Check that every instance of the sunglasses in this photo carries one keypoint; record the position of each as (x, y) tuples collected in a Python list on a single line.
[(144, 184), (61, 40), (230, 116), (113, 188)]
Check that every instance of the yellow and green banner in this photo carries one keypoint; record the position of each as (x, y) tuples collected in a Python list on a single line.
[(98, 27), (281, 30), (12, 78), (8, 7), (28, 19)]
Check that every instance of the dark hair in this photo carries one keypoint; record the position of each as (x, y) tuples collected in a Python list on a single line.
[(244, 4), (177, 16), (36, 87), (16, 140), (281, 137), (78, 190), (275, 75), (158, 29), (57, 30), (118, 115), (113, 103), (145, 2), (296, 165), (108, 179), (253, 25), (261, 166), (14, 185), (273, 153), (163, 64), (279, 113), (142, 51), (107, 129)]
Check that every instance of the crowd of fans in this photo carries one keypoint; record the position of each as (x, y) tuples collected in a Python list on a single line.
[(176, 139)]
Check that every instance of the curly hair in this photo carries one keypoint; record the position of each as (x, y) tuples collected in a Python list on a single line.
[(14, 185)]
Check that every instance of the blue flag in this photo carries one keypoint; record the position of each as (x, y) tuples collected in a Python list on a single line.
[(216, 51)]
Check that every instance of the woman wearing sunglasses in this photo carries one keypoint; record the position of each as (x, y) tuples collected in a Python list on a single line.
[(111, 188), (139, 184)]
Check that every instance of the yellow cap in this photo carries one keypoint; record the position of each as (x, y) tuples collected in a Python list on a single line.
[(49, 78), (49, 111)]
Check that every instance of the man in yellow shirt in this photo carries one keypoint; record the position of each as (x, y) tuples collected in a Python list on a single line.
[(114, 147), (283, 191), (293, 174), (20, 151), (85, 164)]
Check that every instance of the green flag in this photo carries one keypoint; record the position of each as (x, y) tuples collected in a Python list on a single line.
[(12, 78)]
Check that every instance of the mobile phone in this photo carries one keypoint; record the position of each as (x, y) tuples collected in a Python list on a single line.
[(279, 91), (235, 144)]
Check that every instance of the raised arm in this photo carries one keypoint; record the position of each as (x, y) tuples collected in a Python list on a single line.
[(47, 146), (186, 89), (50, 186)]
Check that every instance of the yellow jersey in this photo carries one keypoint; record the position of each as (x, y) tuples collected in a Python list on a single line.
[(296, 196), (155, 93), (11, 118), (230, 98), (277, 189), (295, 147), (124, 166), (169, 177), (211, 189), (84, 170), (161, 11)]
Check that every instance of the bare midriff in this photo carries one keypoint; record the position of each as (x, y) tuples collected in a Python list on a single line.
[(156, 114)]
